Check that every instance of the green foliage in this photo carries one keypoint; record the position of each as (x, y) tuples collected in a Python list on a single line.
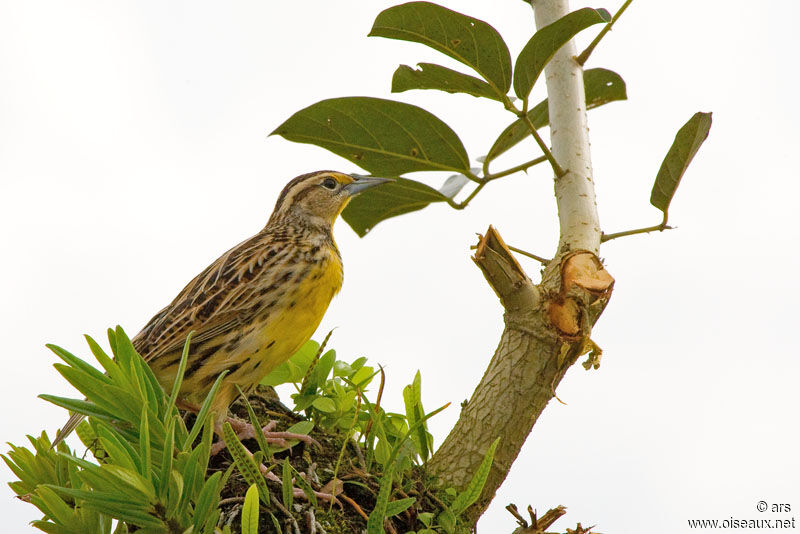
[(150, 475), (687, 142), (601, 85), (432, 76), (390, 138), (467, 40), (381, 136), (250, 511), (546, 42), (389, 200)]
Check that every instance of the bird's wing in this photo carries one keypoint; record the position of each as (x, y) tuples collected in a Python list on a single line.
[(221, 298)]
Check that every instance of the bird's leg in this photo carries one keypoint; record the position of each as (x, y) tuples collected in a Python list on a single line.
[(245, 430)]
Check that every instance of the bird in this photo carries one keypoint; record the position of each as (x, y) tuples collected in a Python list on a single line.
[(258, 303)]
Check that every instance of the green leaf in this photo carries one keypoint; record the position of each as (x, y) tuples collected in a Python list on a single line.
[(80, 406), (303, 427), (319, 374), (473, 490), (601, 86), (207, 504), (687, 143), (308, 491), (294, 369), (389, 200), (399, 506), (176, 386), (324, 404), (363, 376), (382, 136), (276, 523), (260, 439), (375, 521), (246, 465), (145, 453), (546, 42), (250, 511), (286, 484), (204, 411), (468, 40), (412, 397), (431, 76)]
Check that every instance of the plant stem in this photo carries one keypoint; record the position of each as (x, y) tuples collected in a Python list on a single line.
[(521, 167), (581, 59), (559, 172), (543, 261), (657, 228)]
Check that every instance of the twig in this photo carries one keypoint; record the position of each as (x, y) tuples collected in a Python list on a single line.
[(230, 500), (549, 155), (355, 506), (581, 59), (543, 261), (516, 168), (657, 228)]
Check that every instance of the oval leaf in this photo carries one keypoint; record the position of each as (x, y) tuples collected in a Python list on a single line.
[(324, 404), (430, 76), (546, 42), (601, 87), (382, 136), (380, 203), (468, 40), (250, 511), (687, 143)]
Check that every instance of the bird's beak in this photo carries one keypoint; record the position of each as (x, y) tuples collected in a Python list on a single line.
[(360, 183)]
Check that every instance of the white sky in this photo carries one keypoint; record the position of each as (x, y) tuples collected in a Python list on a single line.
[(133, 152)]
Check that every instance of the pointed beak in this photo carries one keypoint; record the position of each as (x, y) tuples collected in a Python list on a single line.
[(364, 182)]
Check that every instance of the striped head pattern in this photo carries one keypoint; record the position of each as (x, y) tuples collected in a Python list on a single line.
[(317, 198)]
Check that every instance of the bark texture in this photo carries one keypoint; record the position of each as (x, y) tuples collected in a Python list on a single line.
[(547, 325), (531, 359)]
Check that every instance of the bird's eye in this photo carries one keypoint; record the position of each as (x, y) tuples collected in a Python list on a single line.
[(329, 183)]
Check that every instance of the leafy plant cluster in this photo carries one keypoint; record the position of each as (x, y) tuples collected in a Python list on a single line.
[(151, 470), (154, 473), (392, 138)]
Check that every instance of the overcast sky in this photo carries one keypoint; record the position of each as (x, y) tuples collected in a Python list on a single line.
[(134, 151)]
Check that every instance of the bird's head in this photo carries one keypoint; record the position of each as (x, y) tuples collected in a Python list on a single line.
[(317, 198)]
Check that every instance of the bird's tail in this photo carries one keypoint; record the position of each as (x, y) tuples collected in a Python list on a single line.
[(67, 429)]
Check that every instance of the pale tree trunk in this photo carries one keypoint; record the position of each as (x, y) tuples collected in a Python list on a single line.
[(547, 325)]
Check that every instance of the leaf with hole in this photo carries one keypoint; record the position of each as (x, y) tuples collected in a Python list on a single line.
[(547, 41), (384, 137), (431, 76), (601, 87), (686, 144), (471, 41)]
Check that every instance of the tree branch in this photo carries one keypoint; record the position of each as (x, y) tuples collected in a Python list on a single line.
[(547, 326), (656, 228)]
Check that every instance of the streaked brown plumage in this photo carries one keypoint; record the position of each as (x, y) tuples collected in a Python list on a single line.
[(259, 302)]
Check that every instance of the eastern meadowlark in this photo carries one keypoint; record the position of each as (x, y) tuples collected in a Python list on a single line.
[(258, 303)]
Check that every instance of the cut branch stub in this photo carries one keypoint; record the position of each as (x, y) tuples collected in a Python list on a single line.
[(584, 282), (502, 271)]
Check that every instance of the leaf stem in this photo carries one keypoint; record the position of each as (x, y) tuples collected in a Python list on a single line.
[(581, 59), (488, 177), (657, 228), (549, 155), (523, 116), (543, 261)]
